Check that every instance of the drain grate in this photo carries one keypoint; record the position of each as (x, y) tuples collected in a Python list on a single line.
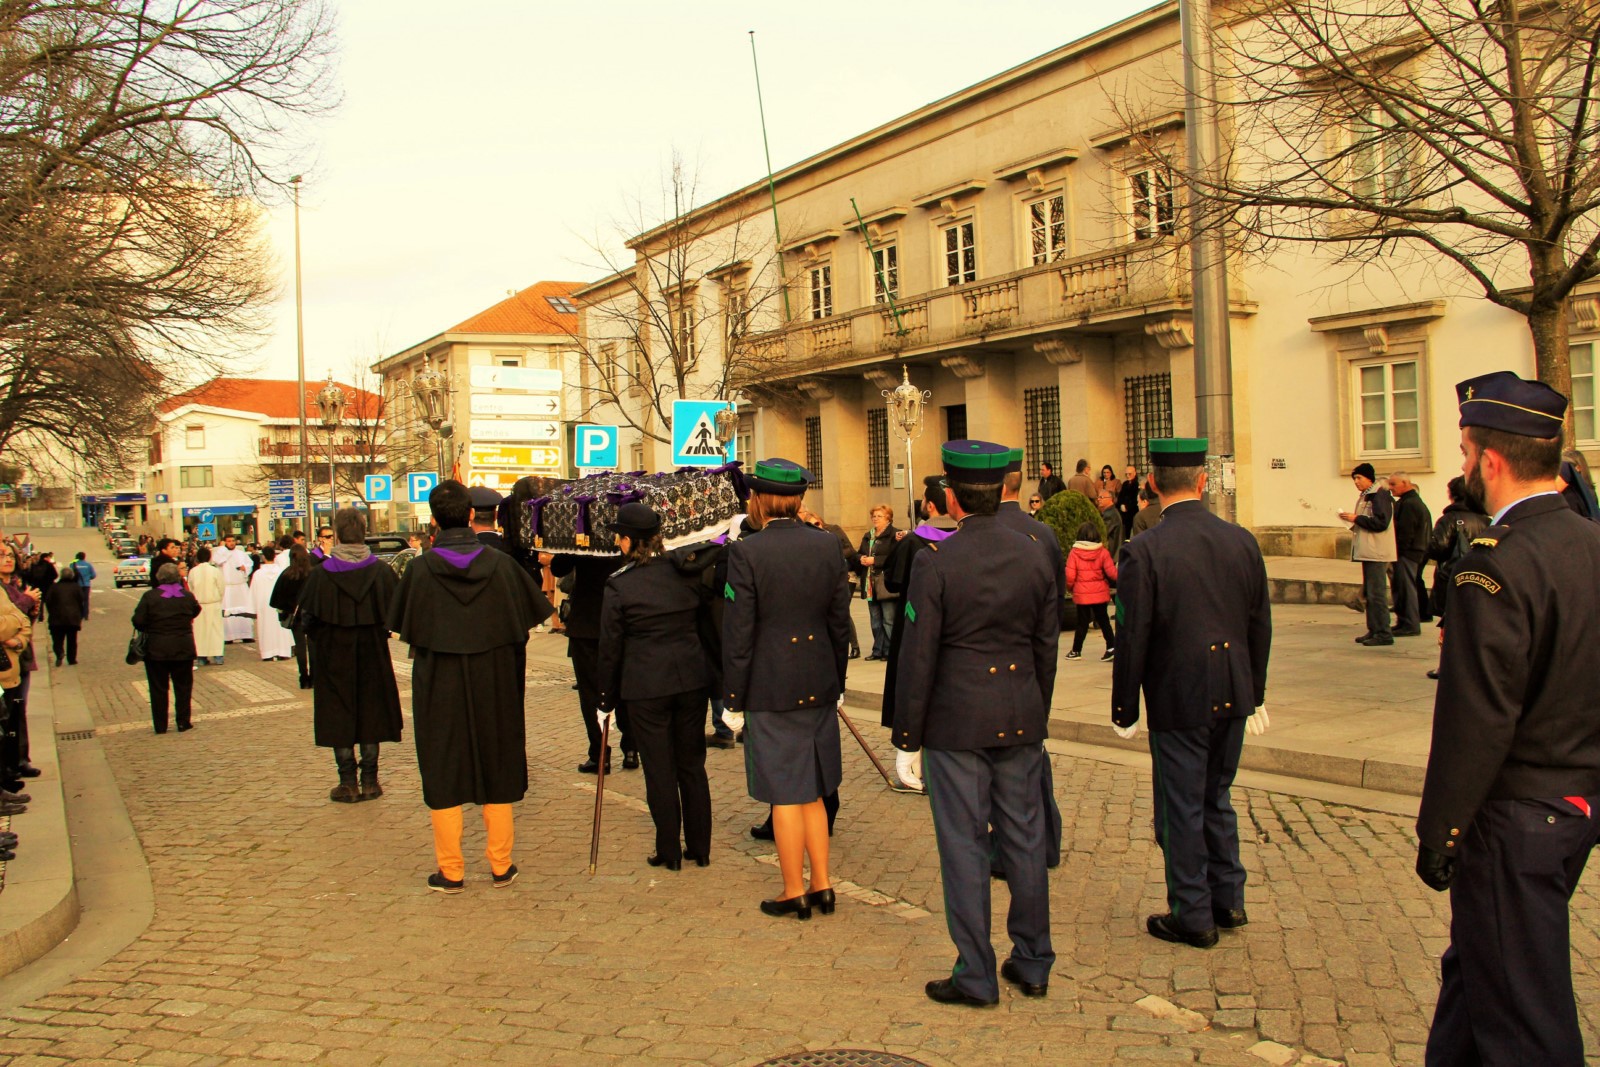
[(842, 1057), (75, 735)]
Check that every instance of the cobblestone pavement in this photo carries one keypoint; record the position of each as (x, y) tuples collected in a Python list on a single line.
[(288, 928)]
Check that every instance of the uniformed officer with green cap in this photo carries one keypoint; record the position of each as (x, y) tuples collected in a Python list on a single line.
[(1196, 638), (972, 690)]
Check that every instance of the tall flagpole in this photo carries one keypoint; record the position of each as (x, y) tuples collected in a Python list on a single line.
[(772, 188)]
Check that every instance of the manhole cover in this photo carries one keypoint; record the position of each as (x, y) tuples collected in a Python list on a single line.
[(75, 735), (843, 1057)]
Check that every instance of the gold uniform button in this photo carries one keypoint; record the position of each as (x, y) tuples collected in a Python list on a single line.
[(1213, 707), (1227, 705), (1002, 733), (794, 640), (800, 703), (994, 670), (1019, 733), (810, 637), (1213, 648), (1455, 833), (1012, 667), (1550, 818), (813, 700), (1224, 644), (1449, 844)]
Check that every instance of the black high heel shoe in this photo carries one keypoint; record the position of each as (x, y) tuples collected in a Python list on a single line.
[(671, 865), (822, 900), (798, 906)]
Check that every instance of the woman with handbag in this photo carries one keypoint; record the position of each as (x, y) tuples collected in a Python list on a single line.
[(15, 766), (876, 552), (165, 616)]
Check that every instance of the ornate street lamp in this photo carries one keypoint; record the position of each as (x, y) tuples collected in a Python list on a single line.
[(727, 423), (432, 390), (906, 404), (330, 402)]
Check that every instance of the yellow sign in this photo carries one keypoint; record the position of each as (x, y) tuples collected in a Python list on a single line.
[(522, 457), (499, 481)]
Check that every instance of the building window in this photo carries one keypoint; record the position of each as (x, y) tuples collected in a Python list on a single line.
[(608, 365), (1047, 228), (562, 305), (1379, 160), (955, 422), (1387, 409), (641, 367), (1152, 208), (885, 273), (735, 315), (1041, 427), (744, 442), (814, 448), (961, 253), (684, 329), (877, 446), (508, 361), (1147, 407), (1582, 360), (194, 438), (822, 291), (194, 477)]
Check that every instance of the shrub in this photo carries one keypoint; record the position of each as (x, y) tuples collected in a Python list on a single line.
[(1068, 510)]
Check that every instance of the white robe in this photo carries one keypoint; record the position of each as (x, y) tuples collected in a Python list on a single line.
[(271, 639), (236, 607), (205, 582)]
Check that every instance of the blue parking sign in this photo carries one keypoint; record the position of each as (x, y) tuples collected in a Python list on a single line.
[(694, 434), (379, 488), (419, 485), (595, 447)]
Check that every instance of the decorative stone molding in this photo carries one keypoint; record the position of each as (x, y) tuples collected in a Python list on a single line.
[(1172, 333), (881, 379), (1377, 339), (964, 366), (1586, 313), (816, 388)]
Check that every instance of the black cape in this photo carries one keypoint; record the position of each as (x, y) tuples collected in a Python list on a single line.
[(468, 631), (353, 694)]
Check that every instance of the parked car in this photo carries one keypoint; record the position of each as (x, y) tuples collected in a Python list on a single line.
[(387, 546), (134, 570), (124, 546)]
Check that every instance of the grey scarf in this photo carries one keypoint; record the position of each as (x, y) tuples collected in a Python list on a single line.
[(351, 553)]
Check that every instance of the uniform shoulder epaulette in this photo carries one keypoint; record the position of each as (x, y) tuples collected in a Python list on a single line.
[(1491, 537), (934, 545)]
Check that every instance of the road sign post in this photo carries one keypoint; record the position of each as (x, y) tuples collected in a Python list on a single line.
[(596, 447), (694, 434), (419, 484)]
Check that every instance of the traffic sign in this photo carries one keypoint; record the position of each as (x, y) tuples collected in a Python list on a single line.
[(27, 490), (419, 485), (206, 531), (379, 488), (694, 434), (206, 516), (596, 447), (518, 456), (527, 379), (516, 404), (515, 430), (499, 481)]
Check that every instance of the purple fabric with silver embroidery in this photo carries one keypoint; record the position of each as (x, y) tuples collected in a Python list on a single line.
[(172, 590), (336, 565), (582, 521), (459, 559)]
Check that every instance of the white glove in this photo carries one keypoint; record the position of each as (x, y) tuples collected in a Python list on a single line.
[(1259, 722), (733, 720), (1126, 732), (604, 718), (908, 768)]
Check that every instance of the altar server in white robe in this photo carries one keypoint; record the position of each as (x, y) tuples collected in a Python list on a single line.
[(234, 563), (272, 640), (205, 582)]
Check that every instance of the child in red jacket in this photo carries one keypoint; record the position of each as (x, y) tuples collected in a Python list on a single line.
[(1090, 572)]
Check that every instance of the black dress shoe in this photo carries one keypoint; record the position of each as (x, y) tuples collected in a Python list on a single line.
[(671, 865), (944, 991), (28, 770), (1376, 640), (1009, 972), (185, 727), (1230, 918), (699, 861), (822, 900), (630, 761), (855, 653), (1164, 927), (1434, 675), (762, 832), (590, 766), (1408, 633), (1362, 639), (795, 906), (718, 741)]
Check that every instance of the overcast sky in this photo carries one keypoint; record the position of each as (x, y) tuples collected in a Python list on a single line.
[(486, 145)]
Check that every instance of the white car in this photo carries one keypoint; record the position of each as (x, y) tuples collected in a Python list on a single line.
[(134, 570)]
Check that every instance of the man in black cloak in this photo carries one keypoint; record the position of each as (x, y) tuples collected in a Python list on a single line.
[(466, 609), (344, 609)]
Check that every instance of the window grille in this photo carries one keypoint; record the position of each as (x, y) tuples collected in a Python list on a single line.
[(1148, 407), (877, 446), (814, 449), (1041, 428), (955, 422)]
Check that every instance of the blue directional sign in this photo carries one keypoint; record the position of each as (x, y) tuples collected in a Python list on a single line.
[(206, 531), (419, 485), (380, 488), (27, 490), (207, 517), (596, 447), (694, 434)]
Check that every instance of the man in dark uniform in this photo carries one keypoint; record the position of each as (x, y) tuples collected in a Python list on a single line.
[(1197, 634), (583, 648), (485, 507), (1508, 813), (972, 691)]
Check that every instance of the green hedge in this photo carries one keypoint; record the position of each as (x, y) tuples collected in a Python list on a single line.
[(1068, 510)]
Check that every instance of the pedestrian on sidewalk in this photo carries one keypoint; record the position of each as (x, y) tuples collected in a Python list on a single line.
[(286, 602), (16, 639), (165, 615), (205, 582), (652, 658), (86, 576), (466, 611), (1196, 640), (972, 693), (1413, 525), (876, 555), (1090, 573), (1508, 813), (785, 647), (1461, 522), (28, 601), (1107, 504), (1372, 545), (65, 607), (342, 609)]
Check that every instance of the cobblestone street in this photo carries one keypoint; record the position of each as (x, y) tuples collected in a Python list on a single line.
[(288, 928)]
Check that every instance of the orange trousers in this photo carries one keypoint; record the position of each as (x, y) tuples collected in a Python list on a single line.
[(447, 840)]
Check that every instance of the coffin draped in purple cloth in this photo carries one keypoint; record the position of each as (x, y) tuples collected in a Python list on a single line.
[(695, 504)]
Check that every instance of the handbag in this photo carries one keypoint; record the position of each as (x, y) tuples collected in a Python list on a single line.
[(138, 644), (5, 660)]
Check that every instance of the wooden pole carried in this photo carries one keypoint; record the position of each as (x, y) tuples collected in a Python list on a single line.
[(600, 791)]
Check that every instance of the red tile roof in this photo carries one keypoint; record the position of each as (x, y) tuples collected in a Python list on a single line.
[(270, 397), (527, 312)]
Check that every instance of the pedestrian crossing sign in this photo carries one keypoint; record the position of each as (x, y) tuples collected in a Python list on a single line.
[(694, 434)]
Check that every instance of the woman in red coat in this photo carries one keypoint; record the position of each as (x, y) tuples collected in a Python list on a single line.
[(1090, 572)]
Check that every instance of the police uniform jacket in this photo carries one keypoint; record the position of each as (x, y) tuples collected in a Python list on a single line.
[(1198, 622), (1515, 718), (977, 664), (786, 622), (649, 635), (1012, 515)]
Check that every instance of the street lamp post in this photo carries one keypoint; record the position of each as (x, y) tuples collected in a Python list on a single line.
[(432, 390), (300, 346), (906, 404), (727, 423), (330, 401)]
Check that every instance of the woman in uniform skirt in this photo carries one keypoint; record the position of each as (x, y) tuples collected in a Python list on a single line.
[(652, 659), (785, 643)]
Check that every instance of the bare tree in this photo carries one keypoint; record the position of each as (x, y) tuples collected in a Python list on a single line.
[(676, 322), (1462, 129), (134, 139)]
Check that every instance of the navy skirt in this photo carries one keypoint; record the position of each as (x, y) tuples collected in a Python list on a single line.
[(791, 757)]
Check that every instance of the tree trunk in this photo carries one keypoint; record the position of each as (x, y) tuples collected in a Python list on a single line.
[(1551, 359)]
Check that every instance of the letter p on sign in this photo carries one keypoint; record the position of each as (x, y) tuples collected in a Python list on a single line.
[(596, 447)]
